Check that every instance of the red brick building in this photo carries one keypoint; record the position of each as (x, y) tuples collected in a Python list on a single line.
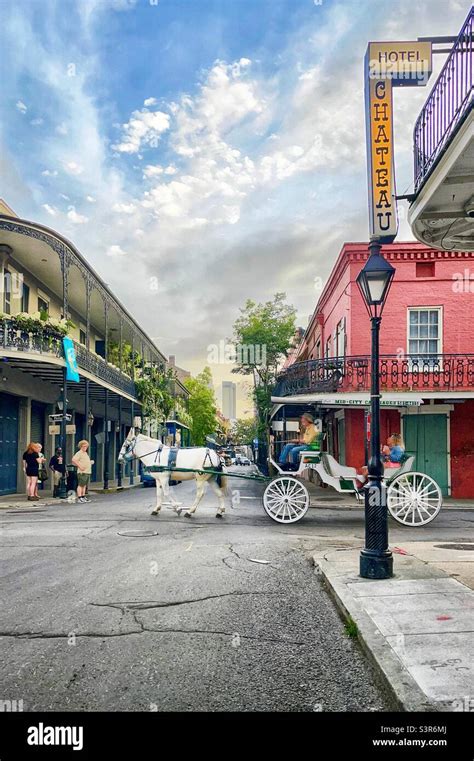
[(426, 363)]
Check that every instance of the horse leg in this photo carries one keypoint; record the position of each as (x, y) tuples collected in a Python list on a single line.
[(219, 490), (159, 496), (170, 500), (200, 488)]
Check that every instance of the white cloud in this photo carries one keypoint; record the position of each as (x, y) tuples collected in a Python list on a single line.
[(150, 102), (153, 171), (50, 209), (115, 250), (124, 208), (48, 173), (77, 219), (144, 128), (36, 122), (21, 106), (71, 167), (91, 199), (62, 129)]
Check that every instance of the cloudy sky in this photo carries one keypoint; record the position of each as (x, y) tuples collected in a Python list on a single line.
[(201, 152)]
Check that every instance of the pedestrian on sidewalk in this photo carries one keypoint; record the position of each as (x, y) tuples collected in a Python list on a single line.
[(84, 467), (58, 468), (32, 458)]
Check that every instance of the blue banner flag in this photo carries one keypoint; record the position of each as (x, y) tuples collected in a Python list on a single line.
[(72, 371)]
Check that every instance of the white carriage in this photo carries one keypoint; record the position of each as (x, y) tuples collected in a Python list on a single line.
[(413, 499)]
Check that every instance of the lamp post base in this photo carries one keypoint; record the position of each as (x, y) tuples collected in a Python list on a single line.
[(62, 488), (375, 565)]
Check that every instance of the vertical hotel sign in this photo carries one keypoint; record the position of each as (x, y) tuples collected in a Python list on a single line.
[(387, 65)]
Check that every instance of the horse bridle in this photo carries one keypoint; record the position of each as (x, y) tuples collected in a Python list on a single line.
[(130, 447)]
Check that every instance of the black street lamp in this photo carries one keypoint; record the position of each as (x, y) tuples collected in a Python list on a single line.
[(376, 561), (62, 406)]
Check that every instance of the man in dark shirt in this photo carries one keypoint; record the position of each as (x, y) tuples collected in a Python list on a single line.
[(58, 468)]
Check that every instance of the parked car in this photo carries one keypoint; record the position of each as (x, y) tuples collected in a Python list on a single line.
[(242, 460), (147, 479)]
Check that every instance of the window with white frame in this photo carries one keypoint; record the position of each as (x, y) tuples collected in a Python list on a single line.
[(340, 338), (424, 332), (328, 347), (318, 349)]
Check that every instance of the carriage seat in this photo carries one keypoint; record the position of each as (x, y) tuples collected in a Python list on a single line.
[(341, 477), (406, 466), (312, 453)]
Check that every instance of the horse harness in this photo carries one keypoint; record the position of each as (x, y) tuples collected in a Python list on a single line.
[(172, 457)]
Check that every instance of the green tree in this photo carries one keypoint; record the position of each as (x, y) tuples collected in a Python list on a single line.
[(202, 406), (244, 431), (263, 334), (154, 392)]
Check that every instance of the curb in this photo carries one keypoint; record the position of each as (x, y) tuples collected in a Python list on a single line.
[(397, 681)]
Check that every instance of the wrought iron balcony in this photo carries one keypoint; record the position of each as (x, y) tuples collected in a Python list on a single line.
[(439, 372), (103, 370), (449, 102), (47, 342)]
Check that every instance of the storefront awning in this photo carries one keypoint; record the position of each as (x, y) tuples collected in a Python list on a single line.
[(176, 422), (402, 399)]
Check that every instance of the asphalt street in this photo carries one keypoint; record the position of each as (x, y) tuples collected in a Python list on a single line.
[(182, 618)]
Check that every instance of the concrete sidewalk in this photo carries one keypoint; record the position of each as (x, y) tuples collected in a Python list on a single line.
[(418, 628), (8, 501)]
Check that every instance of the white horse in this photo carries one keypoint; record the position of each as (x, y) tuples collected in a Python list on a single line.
[(152, 452)]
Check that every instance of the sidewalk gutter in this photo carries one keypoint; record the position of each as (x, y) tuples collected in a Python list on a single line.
[(19, 500), (417, 628)]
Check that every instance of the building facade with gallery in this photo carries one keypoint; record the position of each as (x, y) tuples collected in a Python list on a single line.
[(47, 289)]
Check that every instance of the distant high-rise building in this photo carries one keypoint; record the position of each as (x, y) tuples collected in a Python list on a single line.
[(229, 400)]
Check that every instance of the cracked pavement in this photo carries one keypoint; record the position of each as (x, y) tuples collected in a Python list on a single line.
[(183, 620)]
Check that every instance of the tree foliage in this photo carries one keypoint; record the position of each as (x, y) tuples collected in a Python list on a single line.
[(202, 406), (243, 431), (154, 393), (268, 329)]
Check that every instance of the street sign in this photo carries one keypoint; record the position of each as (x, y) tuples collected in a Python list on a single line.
[(387, 65), (57, 417)]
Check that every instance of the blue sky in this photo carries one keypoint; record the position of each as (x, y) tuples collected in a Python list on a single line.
[(199, 152)]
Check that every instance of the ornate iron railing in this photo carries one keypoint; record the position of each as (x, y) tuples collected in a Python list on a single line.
[(49, 343), (440, 372), (103, 370), (448, 103)]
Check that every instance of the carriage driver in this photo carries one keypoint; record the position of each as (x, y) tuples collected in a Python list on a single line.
[(309, 433)]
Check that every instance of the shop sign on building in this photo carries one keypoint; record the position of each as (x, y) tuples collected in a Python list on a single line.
[(387, 65)]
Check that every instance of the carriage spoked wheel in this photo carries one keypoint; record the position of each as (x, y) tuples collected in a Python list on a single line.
[(414, 499), (286, 499)]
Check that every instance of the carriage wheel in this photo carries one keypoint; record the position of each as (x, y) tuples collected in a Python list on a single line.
[(286, 499), (414, 499)]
